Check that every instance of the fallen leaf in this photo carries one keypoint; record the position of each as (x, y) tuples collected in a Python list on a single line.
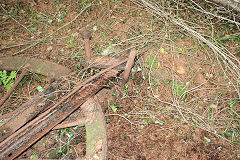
[(161, 50), (113, 17)]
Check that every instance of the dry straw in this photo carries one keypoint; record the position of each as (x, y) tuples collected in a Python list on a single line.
[(228, 62)]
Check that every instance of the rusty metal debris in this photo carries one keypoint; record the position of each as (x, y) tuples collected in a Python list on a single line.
[(26, 125), (105, 62), (20, 140), (86, 34), (34, 65), (129, 64)]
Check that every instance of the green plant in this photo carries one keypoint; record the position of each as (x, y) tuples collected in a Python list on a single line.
[(108, 121), (115, 108), (34, 156), (72, 42), (159, 122), (179, 89), (125, 89), (208, 140), (231, 104), (65, 135), (152, 62), (146, 121), (7, 80), (114, 94), (40, 89)]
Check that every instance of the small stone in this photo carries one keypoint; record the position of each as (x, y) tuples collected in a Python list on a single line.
[(214, 106), (113, 17), (107, 51), (180, 70), (49, 48), (50, 21), (95, 28), (159, 75)]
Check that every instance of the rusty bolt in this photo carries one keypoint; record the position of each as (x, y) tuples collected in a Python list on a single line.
[(86, 34), (129, 64)]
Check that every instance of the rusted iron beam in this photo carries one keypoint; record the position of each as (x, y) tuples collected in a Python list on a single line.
[(24, 137), (105, 62), (79, 122), (35, 65)]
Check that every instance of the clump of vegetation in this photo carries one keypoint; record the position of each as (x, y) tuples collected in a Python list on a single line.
[(7, 80)]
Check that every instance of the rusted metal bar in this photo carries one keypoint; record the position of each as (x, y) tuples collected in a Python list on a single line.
[(79, 122), (25, 113), (35, 65), (129, 64), (105, 62), (86, 34), (6, 96)]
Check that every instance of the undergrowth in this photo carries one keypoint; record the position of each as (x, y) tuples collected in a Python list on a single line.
[(201, 85)]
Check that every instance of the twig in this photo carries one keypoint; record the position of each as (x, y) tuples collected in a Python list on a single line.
[(34, 44), (122, 117), (228, 60), (209, 13), (18, 22)]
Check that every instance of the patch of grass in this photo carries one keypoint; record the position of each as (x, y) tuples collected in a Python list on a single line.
[(67, 139), (146, 121), (152, 62), (115, 107), (179, 89)]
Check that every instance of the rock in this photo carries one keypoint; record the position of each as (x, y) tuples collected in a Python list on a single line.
[(180, 70), (159, 75)]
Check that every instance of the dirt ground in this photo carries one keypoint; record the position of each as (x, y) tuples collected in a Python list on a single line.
[(178, 103)]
